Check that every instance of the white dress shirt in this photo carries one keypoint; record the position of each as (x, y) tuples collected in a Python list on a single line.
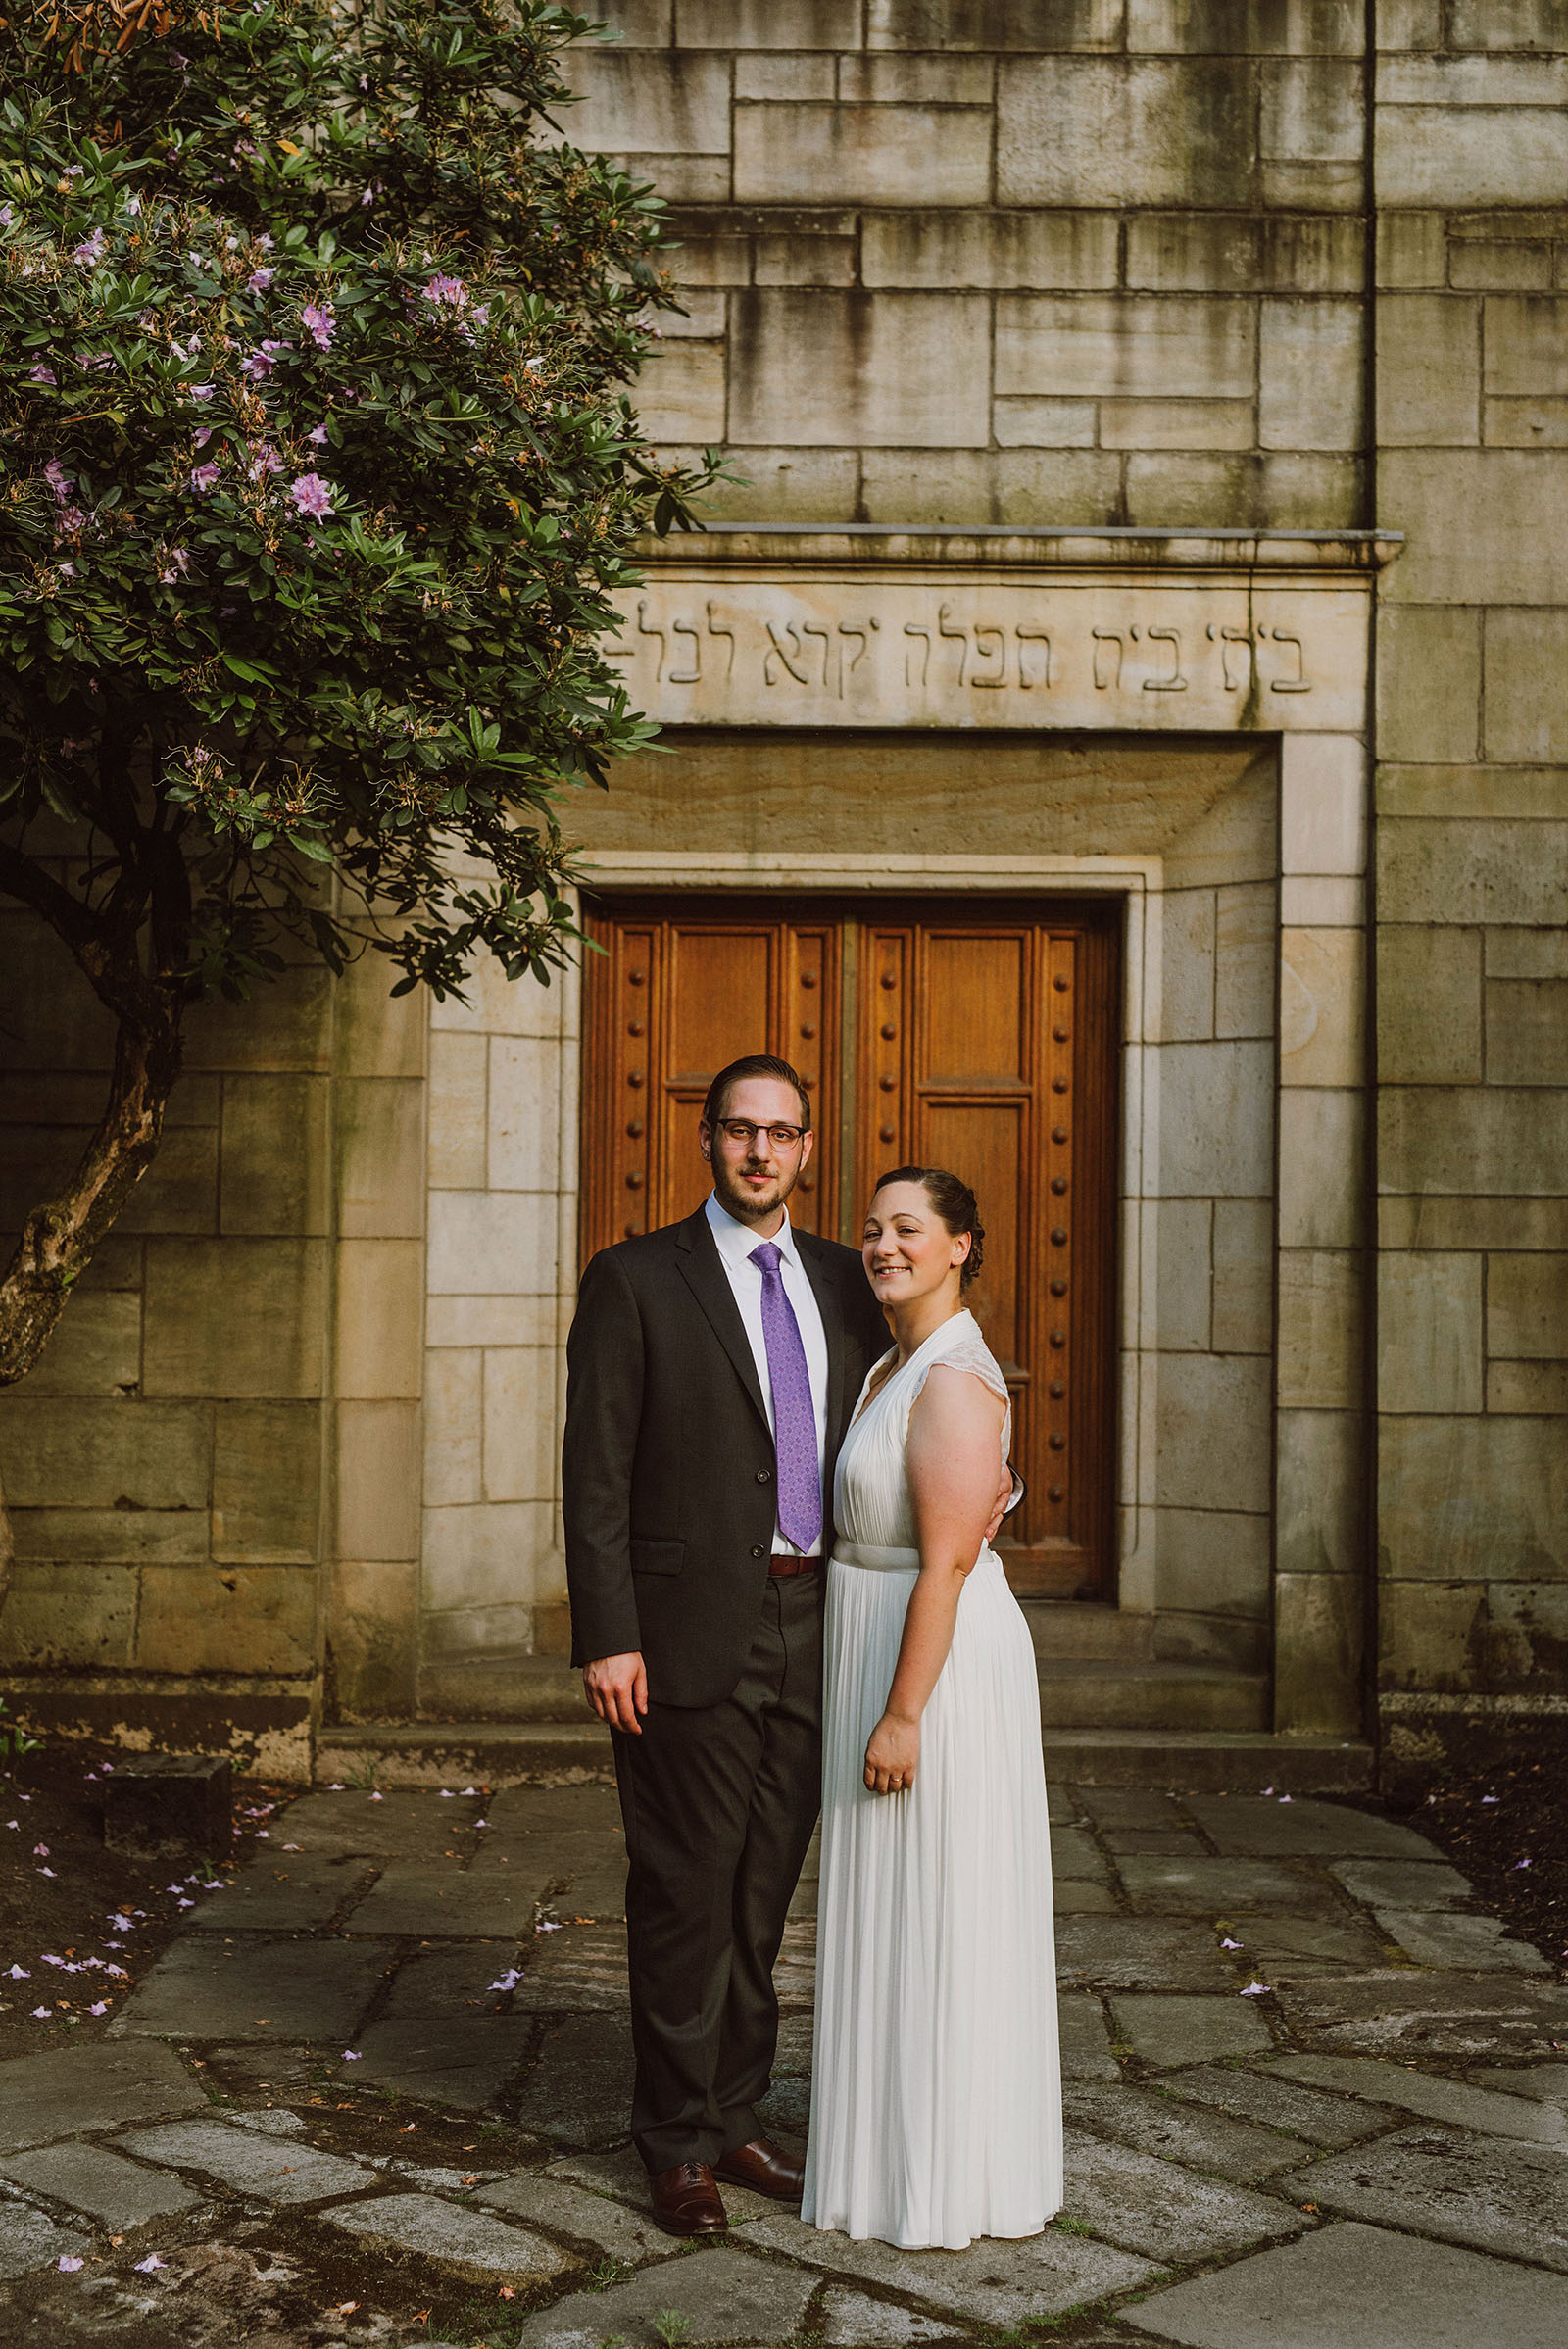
[(736, 1240)]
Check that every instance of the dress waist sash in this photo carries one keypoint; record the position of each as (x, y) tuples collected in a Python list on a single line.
[(881, 1561)]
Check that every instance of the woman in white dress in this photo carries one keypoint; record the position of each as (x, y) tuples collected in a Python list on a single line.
[(936, 2096)]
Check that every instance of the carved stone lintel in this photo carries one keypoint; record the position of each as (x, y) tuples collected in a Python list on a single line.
[(907, 645)]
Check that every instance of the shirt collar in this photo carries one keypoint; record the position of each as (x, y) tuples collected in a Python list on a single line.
[(736, 1243)]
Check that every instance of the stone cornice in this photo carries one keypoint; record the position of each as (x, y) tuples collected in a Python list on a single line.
[(779, 547)]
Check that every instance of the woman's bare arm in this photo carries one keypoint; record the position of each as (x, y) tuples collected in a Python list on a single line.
[(951, 1457)]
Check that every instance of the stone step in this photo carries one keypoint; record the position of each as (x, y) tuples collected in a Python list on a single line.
[(1097, 1671), (1086, 1693), (503, 1688), (436, 1754), (1076, 1691)]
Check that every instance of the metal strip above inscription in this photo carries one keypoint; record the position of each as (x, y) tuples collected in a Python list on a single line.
[(948, 650)]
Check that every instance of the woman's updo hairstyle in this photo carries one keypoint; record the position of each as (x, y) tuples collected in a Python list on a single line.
[(954, 1203)]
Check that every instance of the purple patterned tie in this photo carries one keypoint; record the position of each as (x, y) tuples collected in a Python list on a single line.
[(800, 1471)]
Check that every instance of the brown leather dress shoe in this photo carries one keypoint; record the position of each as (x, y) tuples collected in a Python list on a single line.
[(762, 2167), (686, 2200)]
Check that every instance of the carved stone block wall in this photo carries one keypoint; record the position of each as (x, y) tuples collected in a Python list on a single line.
[(1003, 263), (1472, 872)]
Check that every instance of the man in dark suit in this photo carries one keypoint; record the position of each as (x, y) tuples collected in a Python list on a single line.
[(713, 1369)]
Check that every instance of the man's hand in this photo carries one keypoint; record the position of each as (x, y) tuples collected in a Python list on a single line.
[(1004, 1495), (617, 1687)]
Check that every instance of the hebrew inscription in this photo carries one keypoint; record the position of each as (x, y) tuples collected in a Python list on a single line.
[(976, 652)]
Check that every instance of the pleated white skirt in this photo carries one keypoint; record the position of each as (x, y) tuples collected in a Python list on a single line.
[(936, 2096)]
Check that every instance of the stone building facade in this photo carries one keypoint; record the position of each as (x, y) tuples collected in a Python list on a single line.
[(1150, 429)]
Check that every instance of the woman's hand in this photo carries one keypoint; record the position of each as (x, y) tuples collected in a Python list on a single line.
[(892, 1755)]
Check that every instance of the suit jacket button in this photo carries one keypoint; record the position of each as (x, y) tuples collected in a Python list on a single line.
[(756, 1549), (764, 1476)]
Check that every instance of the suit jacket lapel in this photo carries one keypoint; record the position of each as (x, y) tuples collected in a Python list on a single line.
[(708, 1283), (830, 1306)]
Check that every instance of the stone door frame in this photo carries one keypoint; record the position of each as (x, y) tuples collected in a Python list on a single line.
[(1175, 633)]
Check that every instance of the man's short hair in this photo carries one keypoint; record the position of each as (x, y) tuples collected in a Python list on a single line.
[(755, 1064)]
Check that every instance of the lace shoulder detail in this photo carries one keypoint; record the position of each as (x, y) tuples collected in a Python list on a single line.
[(967, 1350)]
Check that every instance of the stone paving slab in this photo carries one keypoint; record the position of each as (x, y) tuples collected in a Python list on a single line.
[(1062, 1807), (1154, 1842), (1127, 1806), (1138, 1953), (1326, 2121), (283, 1896), (722, 2295), (1401, 1883), (1360, 2287), (464, 2060), (464, 2242), (1414, 2012), (580, 1966), (80, 2089), (101, 2185), (1254, 1827), (849, 2321), (991, 2283), (578, 2092), (450, 1982), (252, 1989), (520, 1811), (408, 1827), (1074, 1852), (1169, 2030), (1183, 2133), (429, 1903), (28, 2240), (1441, 1938), (1179, 1885), (1279, 1945), (1084, 2039), (1434, 2099), (622, 2175), (1492, 2193), (269, 2169), (1547, 2081), (1142, 2203), (1077, 1896), (615, 2231), (598, 1894)]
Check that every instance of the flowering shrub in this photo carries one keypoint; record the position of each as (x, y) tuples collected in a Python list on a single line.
[(317, 472)]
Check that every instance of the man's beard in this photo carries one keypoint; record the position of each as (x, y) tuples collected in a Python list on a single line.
[(749, 1206)]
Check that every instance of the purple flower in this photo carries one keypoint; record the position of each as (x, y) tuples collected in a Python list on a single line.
[(260, 280), (311, 495), (204, 478), (262, 360), (93, 249), (203, 436), (201, 391), (317, 433), (7, 215), (71, 520), (448, 290), (58, 480), (266, 460), (43, 374), (177, 563), (319, 325)]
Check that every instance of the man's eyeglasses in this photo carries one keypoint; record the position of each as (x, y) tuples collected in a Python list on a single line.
[(742, 1132)]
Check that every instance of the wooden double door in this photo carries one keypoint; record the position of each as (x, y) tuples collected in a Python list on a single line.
[(981, 1037)]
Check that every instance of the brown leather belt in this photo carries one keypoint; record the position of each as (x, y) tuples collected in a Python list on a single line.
[(780, 1565)]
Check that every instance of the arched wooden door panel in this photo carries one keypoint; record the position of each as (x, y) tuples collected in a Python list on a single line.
[(980, 1036)]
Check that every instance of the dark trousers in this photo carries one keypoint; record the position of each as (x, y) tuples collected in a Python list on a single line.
[(719, 1803)]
